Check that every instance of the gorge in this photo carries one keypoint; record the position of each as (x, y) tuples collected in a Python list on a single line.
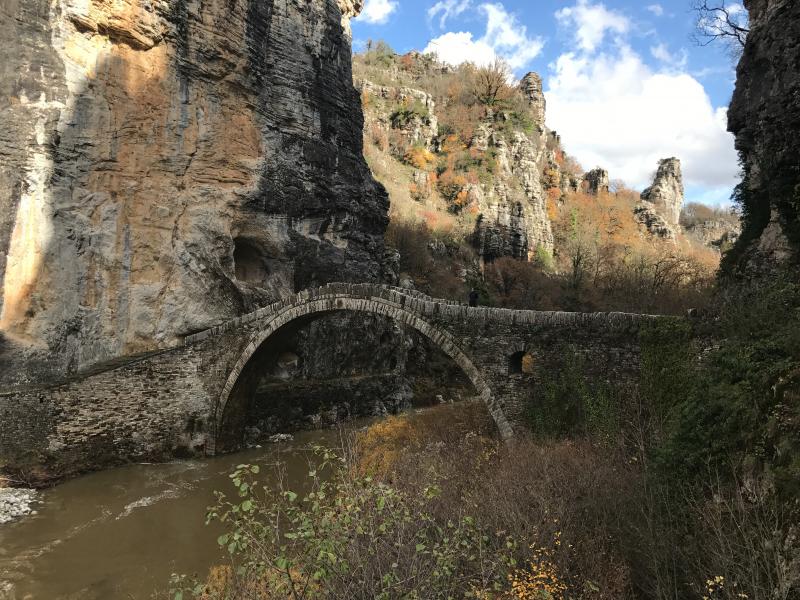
[(221, 228)]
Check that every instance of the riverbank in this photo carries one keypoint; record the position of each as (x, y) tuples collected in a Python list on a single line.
[(93, 536), (16, 503)]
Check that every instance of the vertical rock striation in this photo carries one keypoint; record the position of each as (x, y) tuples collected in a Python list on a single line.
[(764, 116), (167, 165), (666, 193), (660, 209), (531, 86)]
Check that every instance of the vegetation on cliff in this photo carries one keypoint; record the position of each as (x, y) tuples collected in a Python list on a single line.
[(484, 196)]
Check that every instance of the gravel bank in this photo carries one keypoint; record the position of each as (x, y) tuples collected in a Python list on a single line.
[(15, 503)]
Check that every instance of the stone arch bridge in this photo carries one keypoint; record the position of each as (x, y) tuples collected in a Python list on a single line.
[(190, 398)]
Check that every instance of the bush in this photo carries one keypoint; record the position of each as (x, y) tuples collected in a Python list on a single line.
[(419, 157), (349, 537), (739, 407), (407, 113), (379, 54)]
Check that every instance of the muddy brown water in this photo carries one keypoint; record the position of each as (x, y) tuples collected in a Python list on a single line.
[(119, 534)]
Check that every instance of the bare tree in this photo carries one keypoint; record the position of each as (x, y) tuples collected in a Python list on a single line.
[(491, 85), (718, 21)]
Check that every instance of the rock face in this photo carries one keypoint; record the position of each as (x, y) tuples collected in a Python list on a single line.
[(513, 217), (596, 182), (764, 116), (414, 117), (714, 233), (666, 193), (512, 209), (167, 165), (660, 209), (531, 86)]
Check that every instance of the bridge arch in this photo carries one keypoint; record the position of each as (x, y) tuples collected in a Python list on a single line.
[(305, 307)]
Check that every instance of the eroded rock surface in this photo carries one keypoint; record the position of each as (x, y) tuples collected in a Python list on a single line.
[(596, 181), (666, 193), (714, 233), (512, 209), (660, 209), (531, 86), (167, 165), (764, 116), (513, 217)]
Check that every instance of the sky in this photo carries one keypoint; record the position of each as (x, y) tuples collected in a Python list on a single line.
[(625, 85)]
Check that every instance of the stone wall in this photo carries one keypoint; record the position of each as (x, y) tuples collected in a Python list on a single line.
[(190, 399), (165, 165)]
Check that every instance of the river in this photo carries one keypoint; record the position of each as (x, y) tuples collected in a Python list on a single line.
[(119, 534)]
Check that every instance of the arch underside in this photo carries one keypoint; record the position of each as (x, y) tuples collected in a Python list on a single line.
[(321, 306)]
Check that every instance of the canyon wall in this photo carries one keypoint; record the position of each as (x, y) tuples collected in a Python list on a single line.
[(165, 165), (764, 116)]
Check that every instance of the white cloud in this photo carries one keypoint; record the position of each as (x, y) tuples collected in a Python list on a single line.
[(736, 9), (591, 23), (377, 12), (673, 61), (661, 52), (656, 9), (613, 110), (457, 47), (504, 38), (448, 9)]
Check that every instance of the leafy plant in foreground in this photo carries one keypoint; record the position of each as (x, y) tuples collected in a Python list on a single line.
[(349, 537)]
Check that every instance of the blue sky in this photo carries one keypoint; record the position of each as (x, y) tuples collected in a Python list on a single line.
[(624, 83)]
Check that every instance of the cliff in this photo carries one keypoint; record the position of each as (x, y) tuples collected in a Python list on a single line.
[(167, 165), (764, 116), (467, 161), (660, 208)]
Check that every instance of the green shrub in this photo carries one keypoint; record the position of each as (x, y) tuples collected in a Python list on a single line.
[(567, 402), (733, 410), (405, 114), (379, 54), (349, 537)]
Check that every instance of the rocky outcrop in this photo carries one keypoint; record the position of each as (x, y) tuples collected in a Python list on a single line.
[(660, 209), (531, 86), (596, 182), (167, 165), (410, 112), (666, 193), (764, 116), (714, 233), (653, 222), (513, 218), (512, 210)]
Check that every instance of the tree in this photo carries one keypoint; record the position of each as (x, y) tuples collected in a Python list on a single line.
[(717, 21), (490, 85)]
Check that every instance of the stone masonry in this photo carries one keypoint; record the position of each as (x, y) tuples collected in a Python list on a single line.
[(191, 399)]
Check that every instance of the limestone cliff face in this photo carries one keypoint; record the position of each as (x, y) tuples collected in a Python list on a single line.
[(513, 217), (531, 86), (764, 116), (714, 233), (660, 209), (167, 165), (512, 213), (596, 181)]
